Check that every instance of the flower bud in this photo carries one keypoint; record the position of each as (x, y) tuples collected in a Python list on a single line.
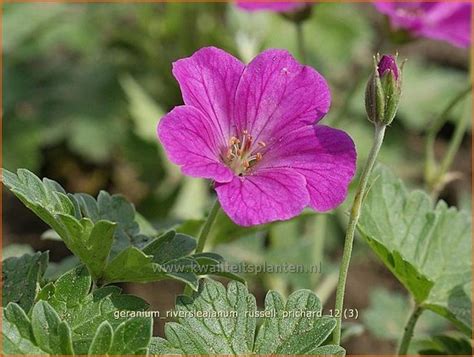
[(383, 90)]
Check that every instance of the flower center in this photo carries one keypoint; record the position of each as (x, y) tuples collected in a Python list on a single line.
[(240, 156)]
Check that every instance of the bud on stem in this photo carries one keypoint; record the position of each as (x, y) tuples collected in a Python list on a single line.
[(383, 90)]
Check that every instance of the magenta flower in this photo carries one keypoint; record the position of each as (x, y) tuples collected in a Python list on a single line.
[(446, 21), (252, 129), (271, 5)]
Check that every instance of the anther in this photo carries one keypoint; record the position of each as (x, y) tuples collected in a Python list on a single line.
[(262, 144)]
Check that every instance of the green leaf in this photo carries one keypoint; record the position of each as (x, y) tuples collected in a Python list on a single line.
[(133, 264), (289, 334), (85, 311), (214, 264), (170, 246), (17, 334), (224, 230), (427, 248), (132, 337), (102, 339), (445, 345), (48, 200), (47, 332), (114, 208), (65, 339), (21, 277), (216, 320), (45, 198), (90, 242), (388, 313), (68, 319), (105, 235), (166, 257)]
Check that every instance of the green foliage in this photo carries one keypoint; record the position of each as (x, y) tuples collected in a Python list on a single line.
[(216, 320), (96, 99), (113, 208), (48, 200), (21, 277), (388, 313), (70, 319), (427, 248), (444, 345), (106, 237), (17, 333)]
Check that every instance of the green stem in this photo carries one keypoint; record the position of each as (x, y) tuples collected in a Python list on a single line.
[(206, 228), (430, 163), (353, 219), (409, 328), (300, 40)]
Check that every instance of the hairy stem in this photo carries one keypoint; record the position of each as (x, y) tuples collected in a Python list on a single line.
[(408, 333), (206, 228), (351, 228)]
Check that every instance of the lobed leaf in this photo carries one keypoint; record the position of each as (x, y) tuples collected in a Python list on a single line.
[(17, 334), (70, 319), (428, 248), (216, 320), (105, 235), (21, 276)]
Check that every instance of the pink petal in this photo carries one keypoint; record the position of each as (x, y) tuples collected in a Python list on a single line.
[(208, 81), (449, 22), (276, 95), (325, 156), (266, 196), (446, 21), (191, 141)]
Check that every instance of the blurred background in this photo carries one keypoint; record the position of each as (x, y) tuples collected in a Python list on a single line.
[(84, 86)]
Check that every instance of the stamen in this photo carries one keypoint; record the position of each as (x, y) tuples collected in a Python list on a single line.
[(248, 143), (239, 156)]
